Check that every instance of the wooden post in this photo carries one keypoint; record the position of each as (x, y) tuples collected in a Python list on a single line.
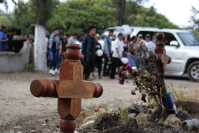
[(160, 51), (162, 60), (69, 90)]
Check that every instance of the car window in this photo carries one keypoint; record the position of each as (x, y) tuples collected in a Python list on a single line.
[(144, 33), (188, 39), (115, 33), (106, 32), (168, 37)]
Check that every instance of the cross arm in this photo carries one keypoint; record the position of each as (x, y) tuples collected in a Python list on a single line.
[(44, 88), (71, 89)]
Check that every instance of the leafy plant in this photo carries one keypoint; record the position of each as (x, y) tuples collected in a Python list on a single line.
[(177, 94), (147, 79), (30, 67)]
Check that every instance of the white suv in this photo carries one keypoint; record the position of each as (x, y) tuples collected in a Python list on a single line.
[(182, 46)]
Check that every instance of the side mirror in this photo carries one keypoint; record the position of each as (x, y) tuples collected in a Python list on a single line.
[(174, 43)]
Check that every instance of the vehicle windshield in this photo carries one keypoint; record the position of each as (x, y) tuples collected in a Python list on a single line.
[(188, 39)]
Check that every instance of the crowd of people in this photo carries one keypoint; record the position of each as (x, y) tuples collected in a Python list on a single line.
[(111, 59), (12, 39), (124, 46)]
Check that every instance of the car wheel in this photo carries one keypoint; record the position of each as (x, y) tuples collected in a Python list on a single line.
[(193, 71)]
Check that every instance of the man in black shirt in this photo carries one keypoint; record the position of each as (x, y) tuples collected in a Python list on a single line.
[(88, 52)]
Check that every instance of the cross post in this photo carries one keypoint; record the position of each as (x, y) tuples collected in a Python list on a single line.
[(69, 89), (160, 51)]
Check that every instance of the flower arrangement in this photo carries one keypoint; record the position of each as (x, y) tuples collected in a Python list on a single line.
[(147, 79)]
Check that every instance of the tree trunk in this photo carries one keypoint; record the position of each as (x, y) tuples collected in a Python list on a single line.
[(40, 61), (120, 15)]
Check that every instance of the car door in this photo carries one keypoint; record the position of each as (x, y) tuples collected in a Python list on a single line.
[(176, 53)]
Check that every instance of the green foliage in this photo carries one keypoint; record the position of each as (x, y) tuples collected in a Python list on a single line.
[(24, 17), (125, 113), (6, 19), (177, 94), (30, 67), (77, 15)]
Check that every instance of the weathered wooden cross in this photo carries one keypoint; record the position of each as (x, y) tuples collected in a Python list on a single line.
[(69, 90), (162, 58)]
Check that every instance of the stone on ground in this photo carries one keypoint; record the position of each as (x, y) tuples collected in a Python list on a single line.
[(144, 120), (106, 121), (183, 115), (172, 121)]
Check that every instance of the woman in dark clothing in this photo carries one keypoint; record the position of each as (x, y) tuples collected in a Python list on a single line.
[(17, 41)]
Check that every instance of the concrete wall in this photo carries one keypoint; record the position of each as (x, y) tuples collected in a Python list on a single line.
[(12, 62)]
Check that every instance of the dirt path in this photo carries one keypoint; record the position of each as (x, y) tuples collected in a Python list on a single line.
[(16, 100)]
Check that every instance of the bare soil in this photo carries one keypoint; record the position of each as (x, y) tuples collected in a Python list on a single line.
[(20, 111)]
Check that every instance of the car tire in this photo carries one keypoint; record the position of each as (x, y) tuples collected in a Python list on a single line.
[(193, 71)]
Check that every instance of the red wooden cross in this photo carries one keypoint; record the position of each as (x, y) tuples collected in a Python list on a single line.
[(69, 90), (160, 51)]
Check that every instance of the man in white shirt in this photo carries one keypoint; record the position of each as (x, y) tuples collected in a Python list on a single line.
[(73, 39), (149, 44), (117, 54)]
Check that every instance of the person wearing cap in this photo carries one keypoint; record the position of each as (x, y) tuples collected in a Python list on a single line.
[(117, 55), (73, 39), (141, 45), (149, 44), (107, 52)]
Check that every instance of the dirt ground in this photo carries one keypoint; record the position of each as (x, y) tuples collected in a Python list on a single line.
[(20, 111)]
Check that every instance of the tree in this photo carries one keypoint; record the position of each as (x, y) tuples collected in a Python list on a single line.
[(43, 10), (77, 15), (121, 10)]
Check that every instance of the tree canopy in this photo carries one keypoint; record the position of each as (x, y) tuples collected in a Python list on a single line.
[(77, 15)]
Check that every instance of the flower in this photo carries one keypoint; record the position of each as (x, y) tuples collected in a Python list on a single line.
[(134, 68), (121, 68), (121, 81), (128, 68), (134, 73), (133, 92), (153, 79)]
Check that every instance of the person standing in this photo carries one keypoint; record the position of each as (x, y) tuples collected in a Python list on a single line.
[(88, 52), (3, 38), (55, 48), (132, 57), (107, 52), (98, 59), (64, 43), (17, 41), (73, 39), (79, 40), (117, 54), (149, 45)]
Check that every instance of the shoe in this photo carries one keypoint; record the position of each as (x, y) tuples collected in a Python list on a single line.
[(100, 77), (87, 79), (56, 71), (53, 72), (50, 71)]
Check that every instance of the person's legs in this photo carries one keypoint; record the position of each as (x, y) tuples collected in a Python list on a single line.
[(113, 68), (137, 61), (51, 59), (131, 61), (105, 65), (99, 67), (57, 61)]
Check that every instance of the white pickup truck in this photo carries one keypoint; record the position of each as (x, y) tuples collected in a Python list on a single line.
[(182, 46)]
